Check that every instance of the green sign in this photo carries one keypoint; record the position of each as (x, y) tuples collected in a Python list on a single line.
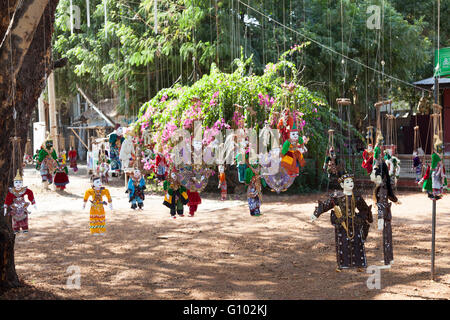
[(442, 68)]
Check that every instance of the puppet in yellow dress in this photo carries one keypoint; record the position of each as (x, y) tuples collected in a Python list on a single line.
[(97, 220)]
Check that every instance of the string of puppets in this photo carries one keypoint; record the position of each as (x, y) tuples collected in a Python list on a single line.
[(183, 184), (350, 215)]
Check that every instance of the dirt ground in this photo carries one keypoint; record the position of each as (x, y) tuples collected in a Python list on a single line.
[(222, 253)]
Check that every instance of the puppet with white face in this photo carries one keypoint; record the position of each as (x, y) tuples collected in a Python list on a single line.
[(351, 218), (136, 187), (222, 182), (15, 201), (292, 152), (176, 196), (97, 213)]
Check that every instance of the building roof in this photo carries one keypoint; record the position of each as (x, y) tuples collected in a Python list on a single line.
[(428, 83)]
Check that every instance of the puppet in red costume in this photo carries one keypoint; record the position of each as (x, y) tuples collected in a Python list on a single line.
[(160, 164), (15, 200), (368, 159), (73, 159), (284, 124)]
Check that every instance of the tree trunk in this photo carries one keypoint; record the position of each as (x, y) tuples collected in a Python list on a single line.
[(30, 34)]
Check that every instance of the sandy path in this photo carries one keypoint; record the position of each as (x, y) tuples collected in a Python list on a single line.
[(222, 253)]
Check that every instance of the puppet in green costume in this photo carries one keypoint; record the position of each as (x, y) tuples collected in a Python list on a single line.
[(176, 195), (254, 190), (292, 152), (434, 181), (47, 161)]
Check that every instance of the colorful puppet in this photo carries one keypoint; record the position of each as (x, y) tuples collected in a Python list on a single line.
[(46, 162), (292, 152), (115, 141), (351, 226), (176, 196), (160, 164), (222, 183), (63, 157), (417, 165), (136, 187), (254, 184), (103, 169), (393, 164), (435, 179), (330, 164), (73, 159), (383, 192), (127, 153), (97, 219), (61, 175), (284, 124), (368, 159), (15, 201), (242, 158), (377, 150)]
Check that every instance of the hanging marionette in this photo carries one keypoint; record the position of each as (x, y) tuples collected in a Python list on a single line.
[(63, 157), (47, 161), (73, 159), (254, 184), (115, 141), (175, 195), (160, 164), (377, 150), (15, 201), (351, 226), (61, 175), (292, 152), (286, 121), (136, 187), (393, 164), (368, 159), (222, 183), (417, 165), (127, 152), (330, 164), (435, 179), (242, 157), (198, 176), (97, 220), (36, 156), (103, 169), (382, 193), (417, 153)]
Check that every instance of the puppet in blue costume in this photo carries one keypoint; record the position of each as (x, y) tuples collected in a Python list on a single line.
[(254, 184), (136, 187), (115, 141)]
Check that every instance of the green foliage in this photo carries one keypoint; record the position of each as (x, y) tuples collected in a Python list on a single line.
[(130, 61), (170, 108)]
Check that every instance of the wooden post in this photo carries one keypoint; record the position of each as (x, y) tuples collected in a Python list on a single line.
[(52, 111), (41, 108)]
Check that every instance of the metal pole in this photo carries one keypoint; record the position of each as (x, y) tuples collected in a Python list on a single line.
[(433, 239), (436, 100), (433, 217)]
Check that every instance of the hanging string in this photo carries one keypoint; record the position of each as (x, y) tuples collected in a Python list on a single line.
[(332, 50), (155, 13), (106, 18)]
